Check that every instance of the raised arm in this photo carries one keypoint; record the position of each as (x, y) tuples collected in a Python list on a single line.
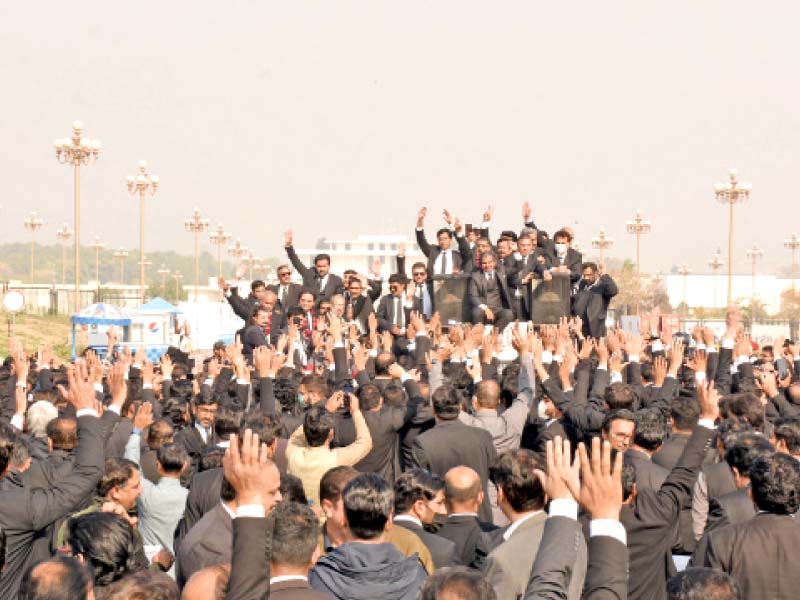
[(304, 271)]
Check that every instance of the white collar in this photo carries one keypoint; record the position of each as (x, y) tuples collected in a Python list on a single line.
[(409, 518), (282, 578), (231, 513), (513, 527), (467, 514)]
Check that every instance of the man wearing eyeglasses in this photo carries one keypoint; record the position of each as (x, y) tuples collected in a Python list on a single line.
[(288, 293), (423, 291), (394, 309)]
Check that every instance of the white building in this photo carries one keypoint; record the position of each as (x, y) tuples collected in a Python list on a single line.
[(358, 254), (711, 291)]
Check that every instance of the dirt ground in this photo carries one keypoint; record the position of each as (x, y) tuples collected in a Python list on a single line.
[(36, 330)]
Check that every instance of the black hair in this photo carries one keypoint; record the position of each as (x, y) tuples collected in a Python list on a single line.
[(445, 230), (323, 256), (618, 414), (457, 582), (685, 412), (368, 503), (651, 429), (394, 394), (108, 544), (267, 427), (294, 528), (159, 433), (446, 402), (788, 430), (745, 450), (211, 458), (513, 472), (619, 395), (730, 430), (57, 578), (383, 361), (317, 425), (7, 439), (775, 483), (414, 485), (333, 482), (285, 392), (258, 283), (227, 422), (143, 585), (292, 489), (117, 473), (369, 396), (172, 457), (702, 583), (205, 399)]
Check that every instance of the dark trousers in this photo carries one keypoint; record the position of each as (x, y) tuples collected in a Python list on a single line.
[(502, 317)]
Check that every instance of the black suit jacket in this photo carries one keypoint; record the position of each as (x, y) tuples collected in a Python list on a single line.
[(590, 303), (361, 309), (733, 508), (760, 554), (191, 439), (667, 456), (243, 307), (460, 254), (384, 311), (292, 295), (208, 543), (443, 550), (26, 512), (606, 573), (573, 260), (476, 289), (204, 495), (647, 473), (450, 444), (333, 284), (650, 521), (473, 539)]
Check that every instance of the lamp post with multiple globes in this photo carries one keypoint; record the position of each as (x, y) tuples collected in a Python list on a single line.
[(715, 263), (64, 235), (177, 278), (219, 237), (731, 192), (793, 243), (754, 253), (196, 225), (164, 272), (602, 243), (639, 226), (237, 250), (97, 245), (77, 151), (33, 224), (121, 255), (142, 184)]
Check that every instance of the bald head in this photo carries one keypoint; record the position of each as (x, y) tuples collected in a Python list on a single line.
[(59, 577), (463, 490), (487, 394), (207, 584)]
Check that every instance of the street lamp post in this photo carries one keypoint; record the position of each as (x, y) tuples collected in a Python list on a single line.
[(164, 272), (730, 193), (754, 253), (97, 245), (715, 263), (33, 224), (219, 237), (793, 243), (77, 151), (638, 227), (684, 270), (141, 184), (237, 250), (121, 255), (196, 225), (177, 277), (64, 235), (251, 260), (602, 242)]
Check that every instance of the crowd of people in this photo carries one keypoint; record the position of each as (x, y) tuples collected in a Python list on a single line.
[(352, 445)]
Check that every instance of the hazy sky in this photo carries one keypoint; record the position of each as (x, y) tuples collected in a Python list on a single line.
[(338, 118)]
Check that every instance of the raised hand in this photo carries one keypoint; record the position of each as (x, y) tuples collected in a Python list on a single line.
[(421, 216), (117, 385), (448, 217), (262, 360), (526, 211), (80, 391), (401, 249), (288, 238), (144, 416), (659, 371), (562, 480), (601, 481), (166, 366), (248, 473), (708, 397), (487, 214)]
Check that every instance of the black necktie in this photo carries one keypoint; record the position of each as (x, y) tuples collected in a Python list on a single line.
[(283, 296)]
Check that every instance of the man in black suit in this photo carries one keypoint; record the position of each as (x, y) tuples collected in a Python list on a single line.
[(200, 434), (358, 305), (318, 278), (26, 512), (474, 538), (254, 334), (395, 308), (533, 263), (418, 499), (442, 258), (565, 259), (243, 307), (450, 444), (591, 299), (489, 295), (287, 292), (684, 413), (761, 554), (649, 516), (648, 436)]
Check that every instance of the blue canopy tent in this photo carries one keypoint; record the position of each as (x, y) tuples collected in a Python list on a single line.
[(98, 314)]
